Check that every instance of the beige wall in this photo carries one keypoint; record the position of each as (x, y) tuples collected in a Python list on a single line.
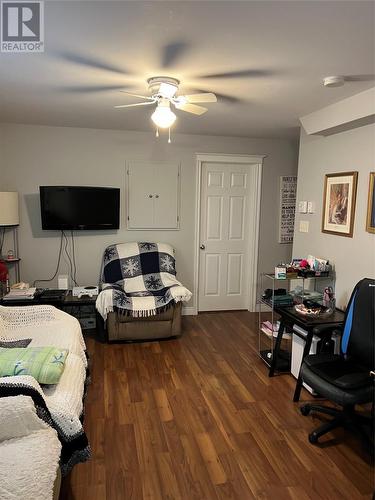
[(2, 162), (37, 155), (353, 150)]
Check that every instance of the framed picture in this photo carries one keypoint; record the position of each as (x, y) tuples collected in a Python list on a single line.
[(339, 203), (370, 224)]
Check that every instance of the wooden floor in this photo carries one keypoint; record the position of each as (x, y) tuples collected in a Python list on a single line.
[(198, 418)]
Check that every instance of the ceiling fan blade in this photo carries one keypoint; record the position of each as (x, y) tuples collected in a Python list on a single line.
[(359, 78), (204, 97), (172, 52), (254, 73), (191, 108), (135, 104), (221, 97), (91, 62), (137, 95), (167, 90), (91, 88), (227, 98)]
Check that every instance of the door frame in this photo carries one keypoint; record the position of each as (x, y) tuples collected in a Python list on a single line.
[(255, 163)]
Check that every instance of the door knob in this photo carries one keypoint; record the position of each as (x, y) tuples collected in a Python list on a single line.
[(202, 247), (150, 195), (156, 196)]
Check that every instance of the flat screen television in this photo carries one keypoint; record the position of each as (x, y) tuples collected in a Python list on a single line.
[(79, 207)]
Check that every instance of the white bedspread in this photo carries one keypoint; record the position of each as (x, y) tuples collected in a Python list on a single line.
[(29, 452), (45, 325)]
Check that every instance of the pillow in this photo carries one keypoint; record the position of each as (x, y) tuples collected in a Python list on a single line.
[(45, 364), (11, 344)]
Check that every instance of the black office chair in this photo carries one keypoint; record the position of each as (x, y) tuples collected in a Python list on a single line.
[(345, 379)]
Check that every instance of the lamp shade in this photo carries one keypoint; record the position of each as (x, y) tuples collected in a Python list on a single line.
[(163, 117), (9, 208)]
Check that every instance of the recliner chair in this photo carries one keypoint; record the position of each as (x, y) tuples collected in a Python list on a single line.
[(346, 379)]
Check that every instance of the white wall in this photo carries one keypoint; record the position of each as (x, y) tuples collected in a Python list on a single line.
[(37, 155), (353, 258)]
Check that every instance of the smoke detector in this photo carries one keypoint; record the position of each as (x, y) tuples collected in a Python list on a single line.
[(333, 81)]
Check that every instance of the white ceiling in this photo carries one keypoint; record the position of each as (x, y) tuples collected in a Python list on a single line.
[(283, 48)]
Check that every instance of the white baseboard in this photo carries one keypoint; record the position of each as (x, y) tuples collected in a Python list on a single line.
[(189, 311)]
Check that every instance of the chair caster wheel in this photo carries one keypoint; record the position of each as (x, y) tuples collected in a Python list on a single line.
[(313, 438), (305, 410)]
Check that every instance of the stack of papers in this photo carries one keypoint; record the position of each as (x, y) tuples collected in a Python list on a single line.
[(17, 294), (273, 331)]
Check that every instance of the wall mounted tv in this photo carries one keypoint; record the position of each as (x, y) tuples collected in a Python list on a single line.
[(79, 207)]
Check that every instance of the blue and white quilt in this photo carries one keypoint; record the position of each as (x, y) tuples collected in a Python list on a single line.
[(139, 279)]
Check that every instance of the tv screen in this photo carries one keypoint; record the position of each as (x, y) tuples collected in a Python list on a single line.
[(76, 207)]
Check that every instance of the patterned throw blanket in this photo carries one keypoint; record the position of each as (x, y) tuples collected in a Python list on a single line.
[(139, 279), (75, 447)]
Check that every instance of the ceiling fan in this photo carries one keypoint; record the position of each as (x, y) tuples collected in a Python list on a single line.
[(163, 90)]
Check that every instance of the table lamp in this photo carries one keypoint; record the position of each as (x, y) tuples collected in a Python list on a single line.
[(9, 215)]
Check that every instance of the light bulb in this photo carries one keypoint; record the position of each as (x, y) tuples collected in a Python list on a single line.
[(163, 117)]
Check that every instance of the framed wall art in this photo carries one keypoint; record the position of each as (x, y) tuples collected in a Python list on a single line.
[(339, 199), (370, 223)]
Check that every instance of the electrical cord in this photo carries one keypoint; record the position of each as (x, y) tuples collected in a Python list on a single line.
[(71, 272), (57, 266), (74, 259)]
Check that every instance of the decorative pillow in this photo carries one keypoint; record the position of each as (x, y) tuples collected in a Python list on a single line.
[(11, 344), (45, 364)]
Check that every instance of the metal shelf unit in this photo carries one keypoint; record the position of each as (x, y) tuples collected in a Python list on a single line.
[(311, 287)]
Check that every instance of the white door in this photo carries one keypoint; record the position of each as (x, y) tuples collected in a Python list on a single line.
[(153, 195), (166, 189), (223, 262), (140, 196)]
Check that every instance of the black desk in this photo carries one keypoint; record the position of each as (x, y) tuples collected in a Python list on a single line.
[(313, 326), (67, 300)]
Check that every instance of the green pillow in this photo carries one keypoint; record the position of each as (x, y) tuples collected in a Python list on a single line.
[(45, 364)]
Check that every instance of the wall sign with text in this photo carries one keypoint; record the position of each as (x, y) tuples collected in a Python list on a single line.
[(288, 192)]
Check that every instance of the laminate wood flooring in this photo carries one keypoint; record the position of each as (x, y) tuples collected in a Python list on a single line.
[(198, 418)]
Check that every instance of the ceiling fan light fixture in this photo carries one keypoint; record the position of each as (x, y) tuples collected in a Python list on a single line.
[(163, 117)]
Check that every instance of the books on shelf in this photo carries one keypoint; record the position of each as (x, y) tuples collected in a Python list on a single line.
[(272, 330), (20, 294)]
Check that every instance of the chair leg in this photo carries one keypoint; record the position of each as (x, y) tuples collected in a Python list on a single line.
[(307, 408), (347, 417), (323, 429)]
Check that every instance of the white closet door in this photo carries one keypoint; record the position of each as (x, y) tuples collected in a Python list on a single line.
[(141, 190), (166, 194), (153, 195)]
